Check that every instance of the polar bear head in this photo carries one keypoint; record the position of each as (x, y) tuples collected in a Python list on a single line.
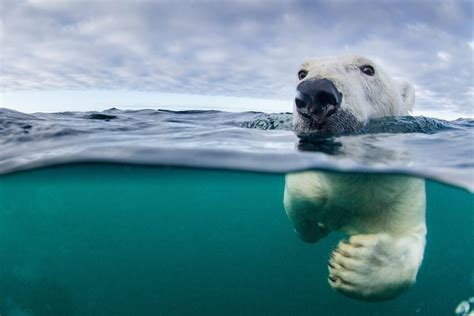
[(341, 94)]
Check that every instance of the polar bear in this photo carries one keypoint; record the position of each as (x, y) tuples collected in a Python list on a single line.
[(384, 215)]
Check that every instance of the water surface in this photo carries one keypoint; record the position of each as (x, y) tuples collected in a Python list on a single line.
[(254, 141)]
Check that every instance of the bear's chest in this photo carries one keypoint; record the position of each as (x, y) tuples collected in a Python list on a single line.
[(362, 203)]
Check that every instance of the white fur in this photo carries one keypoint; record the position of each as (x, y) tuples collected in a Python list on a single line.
[(383, 214), (364, 96)]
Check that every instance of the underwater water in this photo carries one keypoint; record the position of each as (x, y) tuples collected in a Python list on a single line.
[(102, 214)]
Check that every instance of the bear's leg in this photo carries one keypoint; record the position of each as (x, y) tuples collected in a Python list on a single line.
[(377, 266), (304, 201)]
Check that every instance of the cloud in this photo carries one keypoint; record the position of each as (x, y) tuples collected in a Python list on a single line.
[(444, 56), (471, 45), (239, 48)]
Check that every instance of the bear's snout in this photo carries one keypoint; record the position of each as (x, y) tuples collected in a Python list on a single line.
[(317, 97)]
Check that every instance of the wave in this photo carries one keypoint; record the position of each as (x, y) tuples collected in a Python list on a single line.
[(253, 141)]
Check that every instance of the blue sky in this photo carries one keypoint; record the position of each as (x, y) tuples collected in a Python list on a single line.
[(81, 55)]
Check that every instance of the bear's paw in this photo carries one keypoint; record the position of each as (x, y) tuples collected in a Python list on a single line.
[(373, 267)]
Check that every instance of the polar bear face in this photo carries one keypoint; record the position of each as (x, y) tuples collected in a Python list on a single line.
[(341, 94)]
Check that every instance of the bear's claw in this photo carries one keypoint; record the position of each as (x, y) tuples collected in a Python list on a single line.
[(368, 267)]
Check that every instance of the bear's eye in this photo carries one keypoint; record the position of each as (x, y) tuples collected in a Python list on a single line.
[(302, 74), (368, 70)]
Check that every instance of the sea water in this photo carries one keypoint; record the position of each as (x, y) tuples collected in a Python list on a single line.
[(180, 213)]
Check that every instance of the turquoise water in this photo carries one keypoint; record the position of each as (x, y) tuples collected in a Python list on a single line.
[(114, 239), (154, 212)]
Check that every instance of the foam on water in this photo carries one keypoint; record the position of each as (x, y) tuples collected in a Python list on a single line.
[(254, 141)]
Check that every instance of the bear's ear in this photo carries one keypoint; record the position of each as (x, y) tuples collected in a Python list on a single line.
[(407, 93)]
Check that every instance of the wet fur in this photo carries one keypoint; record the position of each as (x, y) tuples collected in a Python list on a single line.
[(383, 214)]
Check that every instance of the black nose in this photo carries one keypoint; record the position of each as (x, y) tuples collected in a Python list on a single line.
[(317, 96)]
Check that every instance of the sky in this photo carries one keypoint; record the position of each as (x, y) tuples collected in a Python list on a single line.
[(60, 55)]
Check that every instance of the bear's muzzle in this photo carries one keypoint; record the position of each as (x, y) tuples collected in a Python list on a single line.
[(317, 99)]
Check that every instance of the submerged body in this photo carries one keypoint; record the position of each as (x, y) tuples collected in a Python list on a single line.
[(384, 215)]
